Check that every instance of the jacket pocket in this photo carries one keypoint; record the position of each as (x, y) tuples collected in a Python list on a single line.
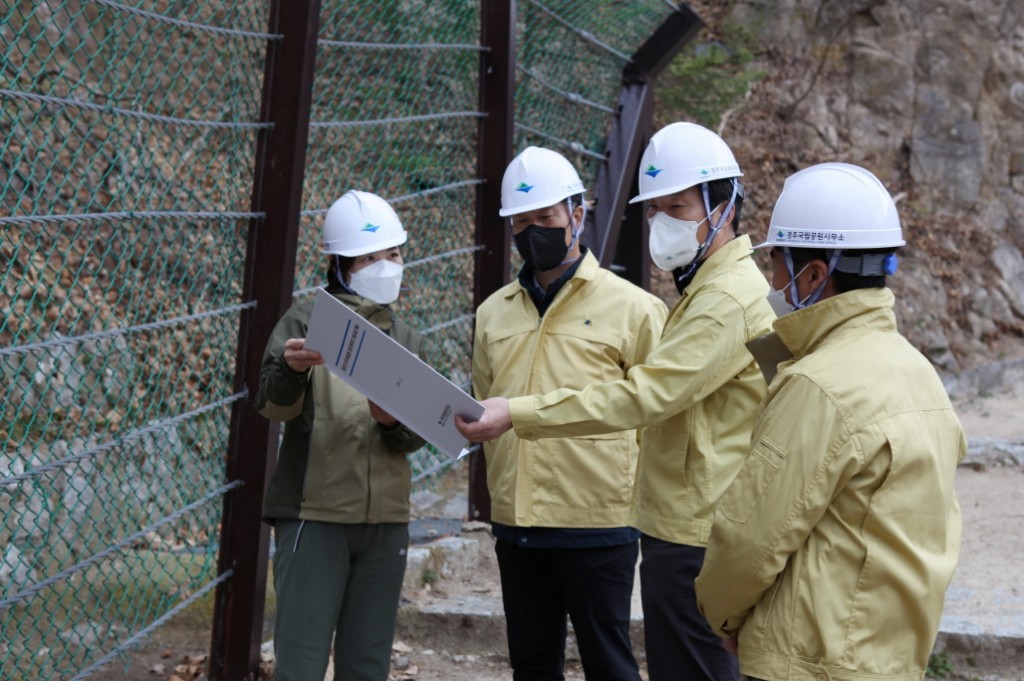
[(586, 473), (754, 477), (774, 592)]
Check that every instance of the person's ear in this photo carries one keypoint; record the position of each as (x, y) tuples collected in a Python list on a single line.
[(817, 273), (577, 215)]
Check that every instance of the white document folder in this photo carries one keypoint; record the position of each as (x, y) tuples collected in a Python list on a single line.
[(398, 381)]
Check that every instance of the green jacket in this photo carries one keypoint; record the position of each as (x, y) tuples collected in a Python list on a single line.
[(597, 327), (336, 463), (695, 395), (832, 550)]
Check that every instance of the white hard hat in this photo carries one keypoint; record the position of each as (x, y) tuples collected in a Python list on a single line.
[(834, 205), (359, 223), (537, 178), (683, 155)]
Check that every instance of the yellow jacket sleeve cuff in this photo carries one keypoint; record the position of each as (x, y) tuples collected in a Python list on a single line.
[(524, 417)]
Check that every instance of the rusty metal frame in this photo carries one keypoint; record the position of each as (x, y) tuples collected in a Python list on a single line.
[(269, 280), (494, 153), (616, 177)]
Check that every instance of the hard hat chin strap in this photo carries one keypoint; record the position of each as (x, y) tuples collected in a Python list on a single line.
[(714, 225), (812, 297), (576, 231)]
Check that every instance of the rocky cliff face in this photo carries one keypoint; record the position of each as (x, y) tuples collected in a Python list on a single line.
[(928, 94)]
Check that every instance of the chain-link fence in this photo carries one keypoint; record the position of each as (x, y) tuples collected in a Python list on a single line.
[(126, 169)]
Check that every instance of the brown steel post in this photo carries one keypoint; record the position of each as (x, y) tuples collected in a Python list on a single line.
[(616, 176), (269, 279), (494, 152), (624, 237)]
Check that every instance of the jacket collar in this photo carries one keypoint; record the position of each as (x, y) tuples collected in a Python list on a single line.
[(865, 309), (375, 313), (717, 264), (586, 271)]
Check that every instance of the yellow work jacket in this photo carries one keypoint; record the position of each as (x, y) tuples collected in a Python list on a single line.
[(596, 328), (695, 395), (832, 550)]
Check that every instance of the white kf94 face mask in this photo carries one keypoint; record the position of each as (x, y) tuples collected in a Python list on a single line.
[(777, 296), (379, 282), (777, 299), (673, 243)]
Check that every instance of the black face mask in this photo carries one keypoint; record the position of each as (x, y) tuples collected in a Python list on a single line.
[(542, 248)]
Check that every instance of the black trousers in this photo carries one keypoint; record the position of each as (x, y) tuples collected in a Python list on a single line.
[(680, 644), (540, 586)]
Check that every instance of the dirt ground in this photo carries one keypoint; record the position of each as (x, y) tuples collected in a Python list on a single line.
[(984, 592), (986, 597)]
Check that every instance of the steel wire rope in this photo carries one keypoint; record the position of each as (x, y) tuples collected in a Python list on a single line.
[(575, 146), (451, 322), (130, 215), (313, 212), (403, 46), (156, 624), (112, 333), (397, 120), (573, 97), (115, 548), (107, 108), (114, 444), (188, 24), (586, 35)]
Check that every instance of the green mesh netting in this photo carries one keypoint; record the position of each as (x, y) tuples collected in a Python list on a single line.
[(128, 138)]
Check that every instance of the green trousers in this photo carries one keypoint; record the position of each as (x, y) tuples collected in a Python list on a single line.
[(340, 580)]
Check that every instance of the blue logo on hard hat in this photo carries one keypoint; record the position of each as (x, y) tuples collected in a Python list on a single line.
[(705, 171), (524, 188), (652, 171), (781, 234), (369, 227)]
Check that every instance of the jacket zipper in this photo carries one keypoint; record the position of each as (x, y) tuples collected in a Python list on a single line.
[(541, 324)]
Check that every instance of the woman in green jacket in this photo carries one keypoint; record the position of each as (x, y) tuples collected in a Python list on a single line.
[(339, 497)]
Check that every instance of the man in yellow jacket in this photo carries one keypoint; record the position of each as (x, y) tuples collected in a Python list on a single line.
[(560, 508), (695, 395), (832, 550)]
